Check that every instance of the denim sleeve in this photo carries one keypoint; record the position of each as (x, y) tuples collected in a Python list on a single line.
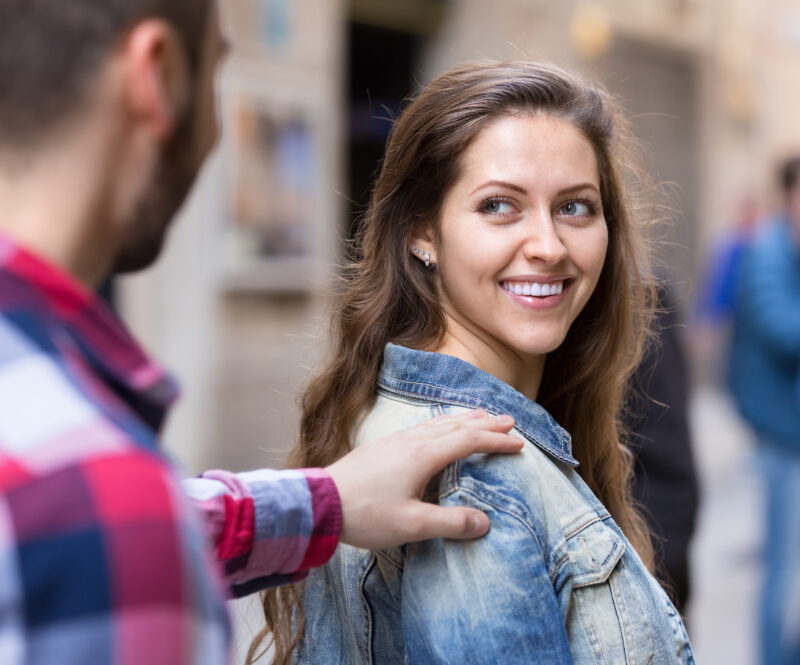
[(766, 294), (484, 601)]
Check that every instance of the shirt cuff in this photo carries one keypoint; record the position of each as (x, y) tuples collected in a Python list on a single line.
[(327, 514)]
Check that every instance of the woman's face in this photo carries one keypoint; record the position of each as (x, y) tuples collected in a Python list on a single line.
[(520, 244)]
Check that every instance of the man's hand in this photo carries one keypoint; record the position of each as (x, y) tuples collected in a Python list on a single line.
[(382, 482)]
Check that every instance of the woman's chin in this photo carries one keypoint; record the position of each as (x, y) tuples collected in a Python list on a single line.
[(537, 348)]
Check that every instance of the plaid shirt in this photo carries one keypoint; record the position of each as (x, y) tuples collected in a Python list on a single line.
[(103, 557)]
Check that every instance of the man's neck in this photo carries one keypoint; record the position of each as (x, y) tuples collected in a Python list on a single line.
[(53, 204)]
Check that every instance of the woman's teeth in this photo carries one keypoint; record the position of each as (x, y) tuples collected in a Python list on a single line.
[(534, 288)]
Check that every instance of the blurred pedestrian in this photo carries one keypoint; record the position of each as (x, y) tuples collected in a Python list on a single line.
[(709, 326), (717, 297), (665, 483), (106, 114), (764, 374)]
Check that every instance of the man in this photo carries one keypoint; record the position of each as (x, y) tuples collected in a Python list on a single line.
[(106, 114), (764, 375)]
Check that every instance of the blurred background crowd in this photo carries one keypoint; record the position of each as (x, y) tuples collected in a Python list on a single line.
[(237, 308)]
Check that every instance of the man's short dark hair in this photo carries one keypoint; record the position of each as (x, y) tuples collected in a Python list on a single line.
[(790, 173), (50, 51)]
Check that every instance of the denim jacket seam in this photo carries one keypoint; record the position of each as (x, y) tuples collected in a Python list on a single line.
[(385, 556), (396, 397), (489, 497), (367, 636), (557, 566), (586, 523), (438, 398)]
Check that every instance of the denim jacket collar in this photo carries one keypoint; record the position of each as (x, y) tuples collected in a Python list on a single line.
[(449, 380)]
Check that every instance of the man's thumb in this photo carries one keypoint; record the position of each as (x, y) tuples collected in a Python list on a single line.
[(453, 522)]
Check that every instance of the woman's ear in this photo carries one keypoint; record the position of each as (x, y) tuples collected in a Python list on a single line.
[(422, 245)]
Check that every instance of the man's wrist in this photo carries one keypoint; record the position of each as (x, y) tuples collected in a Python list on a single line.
[(327, 516)]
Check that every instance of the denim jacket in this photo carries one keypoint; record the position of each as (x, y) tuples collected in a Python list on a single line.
[(554, 580)]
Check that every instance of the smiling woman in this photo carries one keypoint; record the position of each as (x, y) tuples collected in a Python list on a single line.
[(500, 267), (524, 215)]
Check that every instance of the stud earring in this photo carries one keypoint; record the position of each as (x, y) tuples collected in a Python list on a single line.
[(426, 256)]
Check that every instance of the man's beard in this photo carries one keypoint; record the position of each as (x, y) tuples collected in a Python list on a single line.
[(171, 182)]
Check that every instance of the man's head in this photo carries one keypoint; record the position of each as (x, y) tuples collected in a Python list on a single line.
[(150, 64)]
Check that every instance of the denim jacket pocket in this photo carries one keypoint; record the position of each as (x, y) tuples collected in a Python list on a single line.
[(605, 619), (593, 553)]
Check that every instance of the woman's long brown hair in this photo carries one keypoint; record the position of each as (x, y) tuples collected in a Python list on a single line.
[(387, 296)]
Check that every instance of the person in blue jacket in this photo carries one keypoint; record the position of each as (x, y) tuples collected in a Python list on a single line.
[(763, 376)]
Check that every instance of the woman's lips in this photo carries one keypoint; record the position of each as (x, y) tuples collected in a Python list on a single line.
[(537, 294)]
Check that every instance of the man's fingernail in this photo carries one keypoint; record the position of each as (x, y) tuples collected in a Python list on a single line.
[(480, 524), (478, 413), (504, 419)]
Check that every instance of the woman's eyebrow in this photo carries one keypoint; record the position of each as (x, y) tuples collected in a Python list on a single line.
[(522, 190), (575, 188), (500, 183)]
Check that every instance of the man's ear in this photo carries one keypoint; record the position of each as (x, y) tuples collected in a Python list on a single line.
[(158, 78)]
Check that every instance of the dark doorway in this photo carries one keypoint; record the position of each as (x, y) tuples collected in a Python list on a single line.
[(381, 67)]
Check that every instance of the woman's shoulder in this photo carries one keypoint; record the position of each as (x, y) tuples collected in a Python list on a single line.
[(524, 476), (387, 415), (533, 485)]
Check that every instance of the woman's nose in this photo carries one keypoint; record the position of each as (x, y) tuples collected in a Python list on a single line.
[(542, 242)]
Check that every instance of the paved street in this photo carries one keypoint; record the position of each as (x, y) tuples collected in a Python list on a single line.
[(725, 553)]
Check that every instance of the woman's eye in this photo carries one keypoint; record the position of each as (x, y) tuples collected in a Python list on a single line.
[(497, 207), (576, 209)]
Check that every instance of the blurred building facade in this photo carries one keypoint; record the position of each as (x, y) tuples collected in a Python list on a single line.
[(711, 86)]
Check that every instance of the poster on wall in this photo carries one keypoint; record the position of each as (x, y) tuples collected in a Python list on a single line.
[(275, 24), (272, 156), (273, 189)]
